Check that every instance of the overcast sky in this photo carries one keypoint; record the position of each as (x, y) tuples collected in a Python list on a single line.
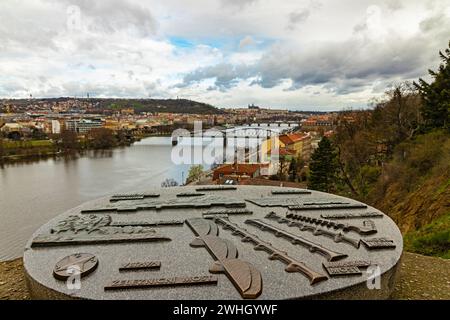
[(299, 54)]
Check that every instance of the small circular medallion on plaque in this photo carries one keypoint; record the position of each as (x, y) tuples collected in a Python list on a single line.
[(80, 264)]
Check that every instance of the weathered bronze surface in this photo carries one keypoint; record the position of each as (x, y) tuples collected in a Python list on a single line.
[(85, 230), (362, 215), (169, 223), (333, 206), (80, 264), (275, 254), (315, 230), (190, 194), (206, 201), (244, 276), (378, 243), (368, 228), (290, 191), (346, 268), (202, 227), (298, 203), (130, 197), (216, 188), (162, 282), (135, 266), (228, 212), (297, 240)]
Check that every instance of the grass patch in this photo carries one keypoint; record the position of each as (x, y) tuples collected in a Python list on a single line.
[(432, 239), (27, 144)]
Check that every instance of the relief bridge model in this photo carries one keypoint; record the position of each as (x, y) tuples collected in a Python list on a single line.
[(294, 239), (316, 230), (203, 201), (275, 254)]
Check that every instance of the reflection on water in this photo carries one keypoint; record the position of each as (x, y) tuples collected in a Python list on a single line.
[(32, 193)]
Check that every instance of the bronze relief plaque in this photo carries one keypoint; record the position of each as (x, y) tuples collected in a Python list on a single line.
[(215, 243)]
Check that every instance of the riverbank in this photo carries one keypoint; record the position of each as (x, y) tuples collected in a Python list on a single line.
[(421, 278)]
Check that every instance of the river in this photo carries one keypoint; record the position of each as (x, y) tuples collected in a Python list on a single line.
[(33, 193)]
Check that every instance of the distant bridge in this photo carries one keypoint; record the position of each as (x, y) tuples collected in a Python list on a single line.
[(247, 132)]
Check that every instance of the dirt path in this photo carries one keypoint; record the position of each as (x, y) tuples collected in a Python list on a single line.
[(421, 278)]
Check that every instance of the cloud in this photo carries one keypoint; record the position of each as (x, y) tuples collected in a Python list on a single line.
[(394, 5), (245, 42), (339, 67), (298, 52), (110, 16), (298, 17)]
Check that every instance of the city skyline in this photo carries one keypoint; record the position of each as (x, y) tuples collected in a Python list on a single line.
[(317, 54)]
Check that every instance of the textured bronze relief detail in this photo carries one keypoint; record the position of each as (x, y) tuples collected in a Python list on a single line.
[(162, 282), (244, 276), (190, 194), (297, 240), (346, 268), (275, 254), (202, 227), (227, 212), (362, 215), (217, 188), (368, 227), (130, 197), (136, 266), (315, 230), (206, 201), (378, 243), (290, 191), (169, 223), (299, 203), (327, 206), (80, 264), (85, 230)]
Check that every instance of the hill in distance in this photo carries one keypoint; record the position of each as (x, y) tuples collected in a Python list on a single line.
[(139, 105)]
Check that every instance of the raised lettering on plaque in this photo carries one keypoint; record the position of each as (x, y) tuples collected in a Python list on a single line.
[(135, 266), (346, 268), (378, 243), (162, 282)]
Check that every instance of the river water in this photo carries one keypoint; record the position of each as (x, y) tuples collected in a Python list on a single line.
[(33, 193)]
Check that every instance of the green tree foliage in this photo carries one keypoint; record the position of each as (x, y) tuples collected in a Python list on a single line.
[(195, 173), (1, 148), (102, 138), (436, 96), (323, 167), (69, 140), (366, 139)]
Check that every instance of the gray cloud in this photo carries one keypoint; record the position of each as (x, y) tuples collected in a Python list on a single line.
[(298, 17), (340, 67), (226, 76), (394, 5), (114, 15)]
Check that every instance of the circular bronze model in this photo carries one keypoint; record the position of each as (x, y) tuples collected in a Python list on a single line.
[(79, 264), (230, 242)]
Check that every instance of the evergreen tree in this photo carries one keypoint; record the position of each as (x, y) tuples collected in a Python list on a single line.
[(323, 167), (436, 96)]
